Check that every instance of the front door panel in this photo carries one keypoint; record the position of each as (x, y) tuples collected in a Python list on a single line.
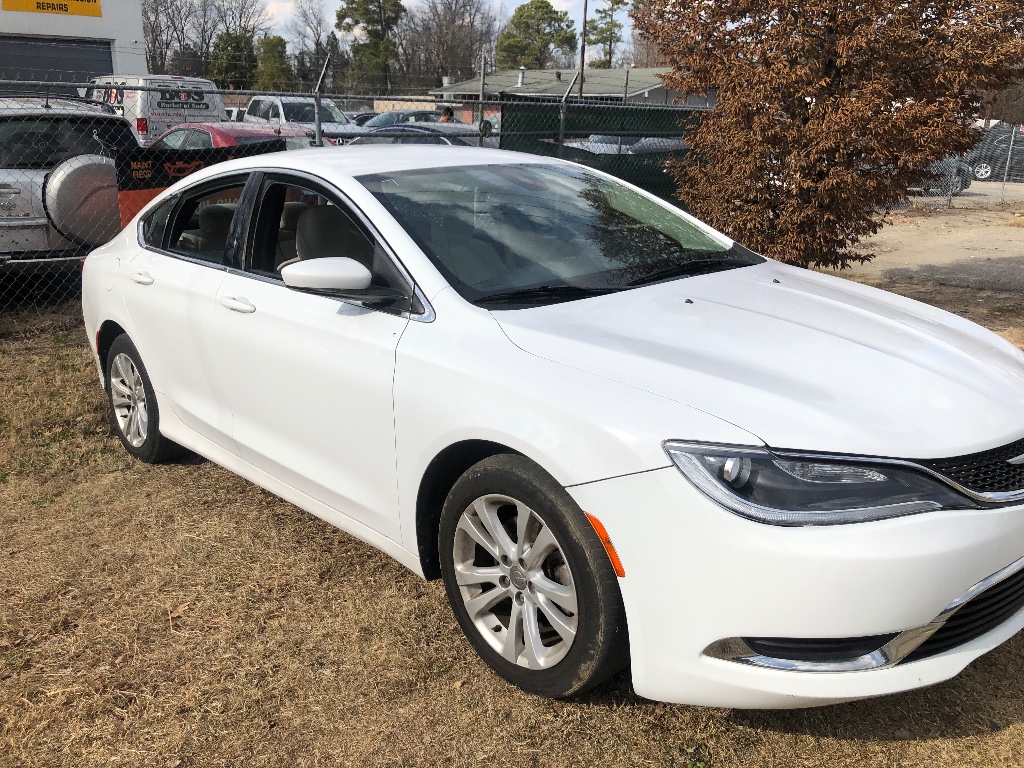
[(311, 388)]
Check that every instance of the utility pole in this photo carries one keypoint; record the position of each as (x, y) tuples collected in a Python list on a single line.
[(483, 69), (583, 47)]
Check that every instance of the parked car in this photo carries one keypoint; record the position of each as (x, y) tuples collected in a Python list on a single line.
[(400, 116), (154, 103), (429, 133), (988, 159), (58, 190), (950, 176), (208, 135), (617, 435), (299, 112), (360, 118), (627, 145)]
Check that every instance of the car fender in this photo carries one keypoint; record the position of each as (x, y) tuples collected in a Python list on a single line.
[(578, 426)]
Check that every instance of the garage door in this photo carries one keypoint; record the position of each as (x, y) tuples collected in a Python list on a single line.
[(60, 59)]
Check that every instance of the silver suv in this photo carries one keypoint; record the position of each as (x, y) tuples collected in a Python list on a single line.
[(56, 149)]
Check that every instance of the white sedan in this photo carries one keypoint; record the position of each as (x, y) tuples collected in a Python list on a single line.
[(619, 437)]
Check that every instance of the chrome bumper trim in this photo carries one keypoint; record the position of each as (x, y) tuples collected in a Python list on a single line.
[(890, 654)]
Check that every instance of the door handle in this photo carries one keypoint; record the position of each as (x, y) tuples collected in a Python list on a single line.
[(142, 278), (237, 304)]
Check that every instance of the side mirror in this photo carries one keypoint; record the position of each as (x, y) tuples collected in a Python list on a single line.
[(486, 128), (339, 278)]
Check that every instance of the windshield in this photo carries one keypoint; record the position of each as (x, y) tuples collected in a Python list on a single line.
[(302, 112), (39, 143), (536, 234)]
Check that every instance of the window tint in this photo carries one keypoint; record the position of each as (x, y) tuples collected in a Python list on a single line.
[(155, 223), (297, 223), (254, 107), (172, 140), (41, 143), (273, 112), (199, 140), (202, 223)]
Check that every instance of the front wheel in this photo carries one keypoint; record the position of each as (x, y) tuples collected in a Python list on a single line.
[(529, 580), (982, 171)]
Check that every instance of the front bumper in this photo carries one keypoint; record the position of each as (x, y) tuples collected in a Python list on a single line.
[(697, 575)]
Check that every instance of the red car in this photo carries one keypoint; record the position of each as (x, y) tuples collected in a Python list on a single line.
[(209, 135)]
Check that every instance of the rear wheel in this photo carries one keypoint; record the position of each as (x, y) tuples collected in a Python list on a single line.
[(133, 408), (529, 581), (982, 171)]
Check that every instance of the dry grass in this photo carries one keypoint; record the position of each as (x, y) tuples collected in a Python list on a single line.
[(179, 616)]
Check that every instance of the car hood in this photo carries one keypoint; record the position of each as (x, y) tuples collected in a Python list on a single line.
[(802, 360)]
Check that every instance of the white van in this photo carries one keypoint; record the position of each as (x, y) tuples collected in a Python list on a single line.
[(167, 101)]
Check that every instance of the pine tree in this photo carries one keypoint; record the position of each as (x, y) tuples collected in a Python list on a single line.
[(273, 72), (535, 31)]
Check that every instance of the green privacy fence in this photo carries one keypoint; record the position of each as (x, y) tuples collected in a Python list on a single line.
[(630, 142)]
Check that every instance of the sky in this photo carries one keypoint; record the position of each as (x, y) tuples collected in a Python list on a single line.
[(281, 10)]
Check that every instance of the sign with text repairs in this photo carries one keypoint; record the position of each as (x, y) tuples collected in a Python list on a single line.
[(58, 7)]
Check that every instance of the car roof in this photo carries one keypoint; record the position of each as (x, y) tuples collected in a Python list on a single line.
[(151, 80), (363, 160), (299, 99), (12, 106)]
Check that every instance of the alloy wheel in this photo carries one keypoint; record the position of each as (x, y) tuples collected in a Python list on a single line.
[(515, 582), (982, 171), (128, 396)]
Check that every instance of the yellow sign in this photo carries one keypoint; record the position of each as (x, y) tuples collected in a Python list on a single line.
[(58, 7)]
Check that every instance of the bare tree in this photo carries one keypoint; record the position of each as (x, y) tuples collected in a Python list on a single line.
[(641, 52), (308, 33), (244, 17), (158, 34), (446, 38)]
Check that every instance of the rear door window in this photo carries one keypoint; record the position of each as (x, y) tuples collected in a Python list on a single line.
[(203, 222)]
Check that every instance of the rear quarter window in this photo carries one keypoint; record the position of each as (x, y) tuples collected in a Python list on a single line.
[(154, 224)]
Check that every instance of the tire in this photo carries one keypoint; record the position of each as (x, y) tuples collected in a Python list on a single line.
[(564, 608), (982, 171), (134, 414)]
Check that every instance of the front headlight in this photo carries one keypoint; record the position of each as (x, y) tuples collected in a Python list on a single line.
[(773, 487)]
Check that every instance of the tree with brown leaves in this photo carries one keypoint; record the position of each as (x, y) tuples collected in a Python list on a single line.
[(828, 110)]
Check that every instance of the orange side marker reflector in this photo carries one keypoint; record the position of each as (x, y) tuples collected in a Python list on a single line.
[(602, 534)]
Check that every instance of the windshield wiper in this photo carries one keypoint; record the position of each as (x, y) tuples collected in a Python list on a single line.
[(690, 268), (542, 293)]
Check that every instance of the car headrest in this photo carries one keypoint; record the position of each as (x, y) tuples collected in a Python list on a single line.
[(216, 219), (290, 215), (325, 231)]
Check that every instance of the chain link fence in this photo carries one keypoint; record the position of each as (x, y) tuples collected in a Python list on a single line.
[(78, 160), (992, 172)]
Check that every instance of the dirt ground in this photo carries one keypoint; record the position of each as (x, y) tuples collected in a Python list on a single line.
[(178, 616)]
